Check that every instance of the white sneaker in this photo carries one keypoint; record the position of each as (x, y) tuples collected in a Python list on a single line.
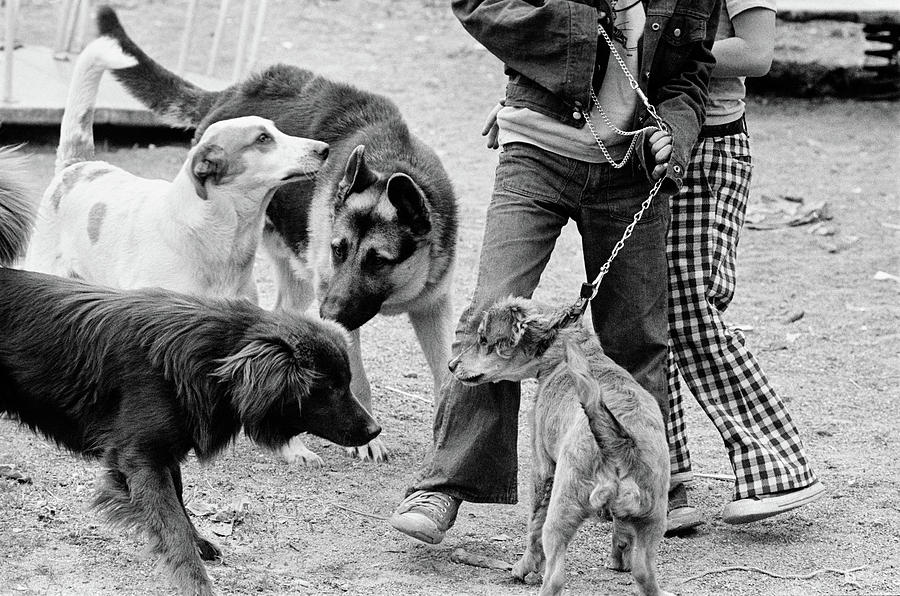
[(760, 507)]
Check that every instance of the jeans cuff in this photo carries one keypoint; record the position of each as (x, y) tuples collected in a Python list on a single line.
[(509, 496)]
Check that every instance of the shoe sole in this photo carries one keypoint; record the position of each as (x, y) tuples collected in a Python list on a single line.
[(768, 507), (682, 520), (423, 536)]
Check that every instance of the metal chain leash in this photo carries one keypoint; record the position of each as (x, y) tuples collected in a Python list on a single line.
[(589, 290)]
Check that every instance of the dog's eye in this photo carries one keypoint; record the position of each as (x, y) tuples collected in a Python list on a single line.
[(264, 138), (504, 350), (375, 260), (339, 251)]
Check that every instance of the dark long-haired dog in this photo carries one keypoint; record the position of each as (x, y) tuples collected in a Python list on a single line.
[(137, 379), (614, 463)]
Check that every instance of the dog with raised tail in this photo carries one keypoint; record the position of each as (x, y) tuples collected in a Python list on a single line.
[(197, 234), (137, 379), (598, 439)]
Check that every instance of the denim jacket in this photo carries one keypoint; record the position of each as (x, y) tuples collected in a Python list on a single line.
[(551, 50)]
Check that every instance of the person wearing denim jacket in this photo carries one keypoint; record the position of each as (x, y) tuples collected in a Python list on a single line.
[(550, 171)]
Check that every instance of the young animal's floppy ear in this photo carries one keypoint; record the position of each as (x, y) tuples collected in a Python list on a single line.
[(208, 164), (519, 322), (265, 376), (541, 331), (409, 201), (357, 175)]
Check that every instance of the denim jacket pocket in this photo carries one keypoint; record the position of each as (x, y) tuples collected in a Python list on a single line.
[(683, 29)]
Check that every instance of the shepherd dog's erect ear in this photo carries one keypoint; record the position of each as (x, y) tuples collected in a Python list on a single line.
[(264, 375), (357, 175), (208, 164), (409, 201)]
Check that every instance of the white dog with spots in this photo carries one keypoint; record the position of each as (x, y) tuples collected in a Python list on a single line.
[(197, 234)]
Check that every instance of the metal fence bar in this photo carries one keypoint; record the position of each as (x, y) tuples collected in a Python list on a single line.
[(186, 36), (257, 35), (217, 37), (9, 46), (241, 54)]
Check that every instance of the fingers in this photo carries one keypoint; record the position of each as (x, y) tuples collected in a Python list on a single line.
[(663, 154), (660, 143), (659, 171), (492, 136), (657, 135), (490, 129), (491, 122)]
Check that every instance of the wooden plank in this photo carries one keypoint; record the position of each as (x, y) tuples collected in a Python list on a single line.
[(40, 85)]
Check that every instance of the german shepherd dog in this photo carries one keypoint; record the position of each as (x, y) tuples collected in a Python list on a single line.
[(137, 379), (374, 234), (598, 439)]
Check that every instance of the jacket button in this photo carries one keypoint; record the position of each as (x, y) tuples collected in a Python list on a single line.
[(677, 33), (576, 115), (677, 169), (655, 26)]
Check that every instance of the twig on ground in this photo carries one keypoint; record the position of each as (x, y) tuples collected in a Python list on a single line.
[(844, 572), (722, 477), (466, 558), (407, 394), (357, 512), (8, 471)]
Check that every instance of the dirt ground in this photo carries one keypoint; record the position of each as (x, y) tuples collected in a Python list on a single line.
[(322, 531)]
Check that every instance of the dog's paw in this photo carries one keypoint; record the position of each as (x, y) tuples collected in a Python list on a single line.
[(524, 566), (209, 550), (295, 452), (374, 451)]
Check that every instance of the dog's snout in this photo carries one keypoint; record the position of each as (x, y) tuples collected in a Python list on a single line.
[(322, 151)]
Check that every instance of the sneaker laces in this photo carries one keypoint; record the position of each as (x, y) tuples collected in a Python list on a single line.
[(431, 501)]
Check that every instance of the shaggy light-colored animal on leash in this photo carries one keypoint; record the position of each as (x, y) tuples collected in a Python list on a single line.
[(196, 234), (615, 465)]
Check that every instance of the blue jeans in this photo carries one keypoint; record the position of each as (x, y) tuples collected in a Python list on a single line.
[(536, 192)]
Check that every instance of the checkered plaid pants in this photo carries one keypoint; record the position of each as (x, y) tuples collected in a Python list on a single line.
[(708, 358)]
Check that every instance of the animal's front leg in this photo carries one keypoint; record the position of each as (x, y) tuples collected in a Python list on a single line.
[(434, 329), (359, 384), (293, 278), (532, 560), (209, 550), (295, 451), (171, 534)]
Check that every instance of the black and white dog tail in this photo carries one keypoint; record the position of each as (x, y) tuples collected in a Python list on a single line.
[(175, 100), (76, 135), (18, 204)]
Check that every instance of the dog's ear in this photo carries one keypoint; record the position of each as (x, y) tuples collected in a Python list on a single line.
[(264, 377), (357, 175), (518, 322), (409, 201), (208, 164), (541, 330)]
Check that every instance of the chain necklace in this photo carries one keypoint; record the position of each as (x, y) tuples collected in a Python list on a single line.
[(637, 89), (589, 291)]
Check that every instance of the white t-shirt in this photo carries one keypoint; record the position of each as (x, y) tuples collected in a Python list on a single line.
[(615, 95), (726, 94)]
